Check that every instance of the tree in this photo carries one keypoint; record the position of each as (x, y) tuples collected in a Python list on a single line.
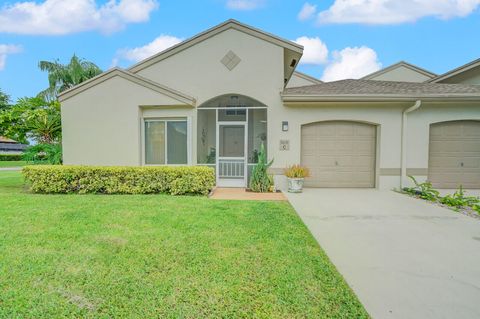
[(4, 100), (62, 77), (32, 119)]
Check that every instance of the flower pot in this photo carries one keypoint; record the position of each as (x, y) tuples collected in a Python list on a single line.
[(295, 185)]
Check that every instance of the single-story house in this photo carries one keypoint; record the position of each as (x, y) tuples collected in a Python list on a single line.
[(9, 146), (215, 98)]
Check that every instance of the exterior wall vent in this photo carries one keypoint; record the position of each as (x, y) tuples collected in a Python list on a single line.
[(230, 60)]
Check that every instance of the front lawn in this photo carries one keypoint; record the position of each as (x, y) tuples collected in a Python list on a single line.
[(12, 163), (159, 256)]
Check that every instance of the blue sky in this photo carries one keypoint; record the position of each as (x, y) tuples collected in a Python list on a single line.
[(344, 38)]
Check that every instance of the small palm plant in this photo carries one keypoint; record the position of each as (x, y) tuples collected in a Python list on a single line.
[(260, 181)]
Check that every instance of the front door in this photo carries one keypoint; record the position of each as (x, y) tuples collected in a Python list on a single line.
[(231, 160)]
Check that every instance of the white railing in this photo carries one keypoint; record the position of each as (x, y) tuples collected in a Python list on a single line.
[(231, 167)]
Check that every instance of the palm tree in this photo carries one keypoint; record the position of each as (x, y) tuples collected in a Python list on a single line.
[(46, 126), (61, 77)]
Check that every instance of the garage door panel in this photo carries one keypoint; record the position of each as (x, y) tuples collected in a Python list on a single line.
[(324, 146), (365, 131), (445, 146), (472, 146), (454, 154), (445, 161), (345, 130), (471, 162), (363, 161), (471, 130), (342, 154), (365, 147), (319, 161), (324, 131)]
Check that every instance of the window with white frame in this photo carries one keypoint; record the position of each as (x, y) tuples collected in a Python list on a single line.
[(166, 141)]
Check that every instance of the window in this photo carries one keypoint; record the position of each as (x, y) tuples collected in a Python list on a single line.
[(165, 142), (206, 134)]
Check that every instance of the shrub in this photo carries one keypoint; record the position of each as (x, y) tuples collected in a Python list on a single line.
[(297, 171), (11, 157), (459, 200), (260, 181), (44, 154), (423, 190), (175, 180), (476, 208)]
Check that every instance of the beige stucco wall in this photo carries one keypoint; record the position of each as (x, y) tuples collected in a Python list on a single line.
[(402, 74), (197, 71), (101, 126)]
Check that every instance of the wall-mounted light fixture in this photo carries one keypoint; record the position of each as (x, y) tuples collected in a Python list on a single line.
[(285, 126)]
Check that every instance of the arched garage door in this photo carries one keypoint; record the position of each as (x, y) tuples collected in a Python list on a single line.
[(339, 154), (454, 154)]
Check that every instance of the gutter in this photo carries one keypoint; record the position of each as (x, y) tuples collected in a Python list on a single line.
[(293, 99), (403, 149)]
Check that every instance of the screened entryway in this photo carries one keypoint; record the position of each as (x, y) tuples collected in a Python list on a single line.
[(230, 131)]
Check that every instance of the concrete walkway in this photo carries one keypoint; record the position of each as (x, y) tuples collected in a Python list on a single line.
[(403, 257), (10, 169), (242, 194)]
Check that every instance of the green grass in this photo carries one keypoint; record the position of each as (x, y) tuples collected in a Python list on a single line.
[(158, 256), (12, 163)]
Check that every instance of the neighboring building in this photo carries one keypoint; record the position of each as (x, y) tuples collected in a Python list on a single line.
[(402, 72), (9, 146), (466, 74), (215, 98), (302, 79)]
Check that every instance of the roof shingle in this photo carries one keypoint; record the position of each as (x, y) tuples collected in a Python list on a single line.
[(383, 88)]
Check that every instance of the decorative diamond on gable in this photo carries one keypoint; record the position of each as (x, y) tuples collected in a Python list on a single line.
[(230, 60)]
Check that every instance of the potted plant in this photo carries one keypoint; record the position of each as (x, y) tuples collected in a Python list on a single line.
[(296, 176)]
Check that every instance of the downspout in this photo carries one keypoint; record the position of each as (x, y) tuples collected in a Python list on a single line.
[(403, 149)]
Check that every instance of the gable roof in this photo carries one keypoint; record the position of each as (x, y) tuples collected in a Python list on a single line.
[(229, 24), (464, 68), (371, 90), (4, 139), (181, 97), (307, 77), (398, 65)]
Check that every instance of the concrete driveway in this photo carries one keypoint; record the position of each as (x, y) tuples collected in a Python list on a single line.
[(403, 257)]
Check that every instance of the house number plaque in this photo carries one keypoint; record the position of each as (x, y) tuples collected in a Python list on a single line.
[(284, 145)]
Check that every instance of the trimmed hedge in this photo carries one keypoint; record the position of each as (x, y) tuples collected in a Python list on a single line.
[(174, 180), (10, 157)]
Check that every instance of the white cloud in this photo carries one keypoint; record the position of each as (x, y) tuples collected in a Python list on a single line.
[(314, 50), (394, 11), (307, 12), (351, 63), (137, 54), (58, 17), (5, 50), (244, 4)]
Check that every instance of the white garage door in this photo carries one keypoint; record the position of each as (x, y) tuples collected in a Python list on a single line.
[(454, 157), (339, 154)]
